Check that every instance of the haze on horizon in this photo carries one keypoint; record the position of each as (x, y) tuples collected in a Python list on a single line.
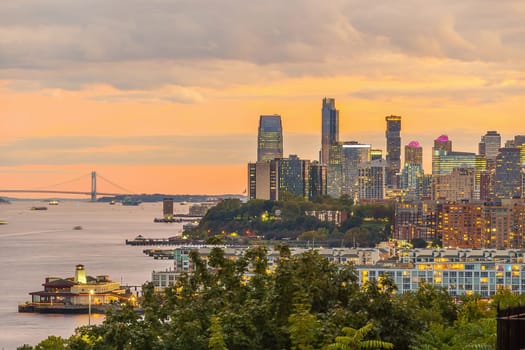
[(165, 96)]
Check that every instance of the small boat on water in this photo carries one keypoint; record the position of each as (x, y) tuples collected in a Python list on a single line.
[(77, 228), (3, 222), (53, 202), (131, 201), (38, 208), (112, 203)]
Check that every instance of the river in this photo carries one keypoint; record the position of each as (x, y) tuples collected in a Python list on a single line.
[(40, 243)]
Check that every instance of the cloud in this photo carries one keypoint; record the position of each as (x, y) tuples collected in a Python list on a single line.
[(140, 150), (146, 45)]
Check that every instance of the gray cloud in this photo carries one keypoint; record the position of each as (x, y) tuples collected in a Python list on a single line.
[(144, 45), (144, 150)]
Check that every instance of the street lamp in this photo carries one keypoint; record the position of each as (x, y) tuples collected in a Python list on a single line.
[(91, 292)]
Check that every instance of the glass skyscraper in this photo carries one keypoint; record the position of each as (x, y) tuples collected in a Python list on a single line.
[(330, 128), (270, 138), (508, 176), (393, 147)]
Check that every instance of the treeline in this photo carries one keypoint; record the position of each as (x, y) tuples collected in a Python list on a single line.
[(306, 302), (366, 225)]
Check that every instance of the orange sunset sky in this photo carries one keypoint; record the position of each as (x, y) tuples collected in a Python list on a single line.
[(165, 96)]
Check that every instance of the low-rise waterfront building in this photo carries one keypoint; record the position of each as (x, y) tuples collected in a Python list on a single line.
[(75, 294), (459, 271)]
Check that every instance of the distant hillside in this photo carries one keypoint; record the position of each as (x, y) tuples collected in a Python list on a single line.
[(158, 197)]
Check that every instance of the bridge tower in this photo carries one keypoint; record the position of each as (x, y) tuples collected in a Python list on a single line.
[(93, 186)]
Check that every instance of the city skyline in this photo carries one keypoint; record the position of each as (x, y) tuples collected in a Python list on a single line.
[(170, 101)]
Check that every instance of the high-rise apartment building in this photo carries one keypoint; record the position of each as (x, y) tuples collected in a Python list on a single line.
[(293, 177), (414, 153), (371, 180), (415, 220), (442, 143), (270, 138), (342, 168), (412, 181), (478, 226), (393, 147), (279, 178), (317, 180), (508, 180), (458, 185), (330, 128)]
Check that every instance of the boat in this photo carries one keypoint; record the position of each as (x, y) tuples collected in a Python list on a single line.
[(38, 208), (130, 201), (77, 228), (53, 202), (112, 203), (3, 222)]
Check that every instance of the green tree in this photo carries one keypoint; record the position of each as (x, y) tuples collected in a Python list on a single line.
[(52, 343), (216, 341), (302, 325), (354, 339)]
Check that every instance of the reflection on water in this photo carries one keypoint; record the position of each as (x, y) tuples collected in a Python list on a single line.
[(39, 244)]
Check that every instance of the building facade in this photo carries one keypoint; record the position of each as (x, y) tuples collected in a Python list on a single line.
[(414, 153), (393, 147), (270, 138), (330, 128), (508, 180)]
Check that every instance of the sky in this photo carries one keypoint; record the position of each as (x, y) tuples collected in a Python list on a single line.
[(164, 96)]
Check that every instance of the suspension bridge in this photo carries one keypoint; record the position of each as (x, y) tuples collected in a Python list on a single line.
[(92, 193)]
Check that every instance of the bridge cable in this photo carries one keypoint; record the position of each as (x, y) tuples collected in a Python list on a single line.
[(114, 184), (60, 183)]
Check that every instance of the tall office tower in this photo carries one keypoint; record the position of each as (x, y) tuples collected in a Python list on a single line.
[(443, 162), (490, 144), (330, 128), (371, 180), (270, 138), (393, 147), (317, 180), (459, 185), (489, 147), (508, 176), (414, 153), (376, 154)]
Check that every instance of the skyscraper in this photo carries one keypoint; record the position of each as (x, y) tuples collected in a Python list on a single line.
[(393, 147), (442, 143), (489, 147), (330, 128), (508, 177), (317, 181), (414, 153), (279, 178), (270, 138)]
